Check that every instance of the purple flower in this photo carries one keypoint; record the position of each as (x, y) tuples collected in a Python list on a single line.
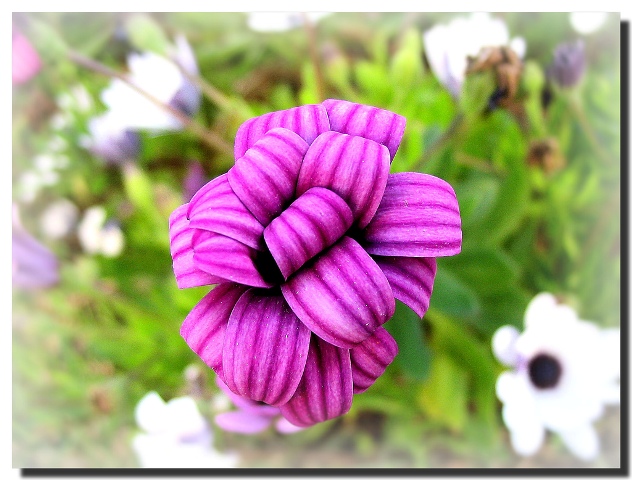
[(311, 240), (569, 63), (25, 60), (251, 417), (111, 142), (34, 265)]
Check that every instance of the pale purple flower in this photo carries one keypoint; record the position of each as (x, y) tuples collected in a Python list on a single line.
[(311, 240), (564, 372), (111, 142), (194, 180), (25, 60), (251, 417), (569, 63), (162, 79), (33, 265)]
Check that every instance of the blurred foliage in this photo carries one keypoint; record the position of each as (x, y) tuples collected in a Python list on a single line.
[(87, 350)]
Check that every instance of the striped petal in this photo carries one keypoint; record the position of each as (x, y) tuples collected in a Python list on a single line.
[(264, 179), (227, 258), (180, 237), (308, 121), (326, 389), (265, 349), (315, 221), (411, 279), (204, 327), (370, 359), (343, 296), (216, 208), (353, 167), (366, 121), (418, 217)]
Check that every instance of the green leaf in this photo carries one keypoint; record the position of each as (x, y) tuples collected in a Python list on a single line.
[(452, 297), (406, 67), (443, 397), (146, 34), (414, 356), (475, 94)]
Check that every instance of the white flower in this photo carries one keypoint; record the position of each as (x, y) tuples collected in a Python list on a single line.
[(281, 21), (163, 80), (175, 435), (448, 46), (565, 370), (109, 141), (59, 218), (97, 236), (587, 22)]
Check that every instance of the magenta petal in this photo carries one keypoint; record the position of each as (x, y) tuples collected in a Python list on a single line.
[(366, 121), (353, 167), (411, 279), (308, 121), (265, 349), (242, 422), (245, 404), (180, 236), (216, 208), (226, 258), (204, 327), (370, 358), (264, 179), (343, 296), (326, 389), (315, 221), (418, 217)]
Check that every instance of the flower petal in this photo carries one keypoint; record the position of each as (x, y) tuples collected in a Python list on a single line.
[(370, 358), (264, 179), (504, 345), (381, 126), (308, 121), (343, 296), (582, 441), (204, 327), (315, 221), (242, 422), (265, 349), (180, 235), (216, 208), (326, 389), (245, 404), (411, 279), (353, 167), (227, 258), (418, 217)]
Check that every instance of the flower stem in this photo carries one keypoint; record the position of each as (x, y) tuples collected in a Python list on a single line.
[(209, 137), (313, 51), (441, 142), (213, 93)]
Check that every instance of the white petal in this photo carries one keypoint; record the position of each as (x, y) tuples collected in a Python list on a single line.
[(582, 442), (528, 439), (184, 418), (519, 46), (587, 22), (184, 55), (503, 344), (150, 413), (539, 309)]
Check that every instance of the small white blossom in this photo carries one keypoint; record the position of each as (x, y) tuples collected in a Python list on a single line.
[(447, 46), (281, 21), (565, 370), (587, 22), (59, 218), (175, 435), (96, 236)]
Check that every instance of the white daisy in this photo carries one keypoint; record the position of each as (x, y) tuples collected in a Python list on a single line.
[(447, 46), (175, 435), (281, 21), (565, 370), (97, 236), (163, 80)]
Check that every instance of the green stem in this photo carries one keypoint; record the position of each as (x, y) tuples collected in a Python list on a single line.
[(313, 51), (580, 115), (441, 142), (209, 137)]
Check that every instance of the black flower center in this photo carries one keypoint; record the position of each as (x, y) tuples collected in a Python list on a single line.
[(268, 268), (545, 371)]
